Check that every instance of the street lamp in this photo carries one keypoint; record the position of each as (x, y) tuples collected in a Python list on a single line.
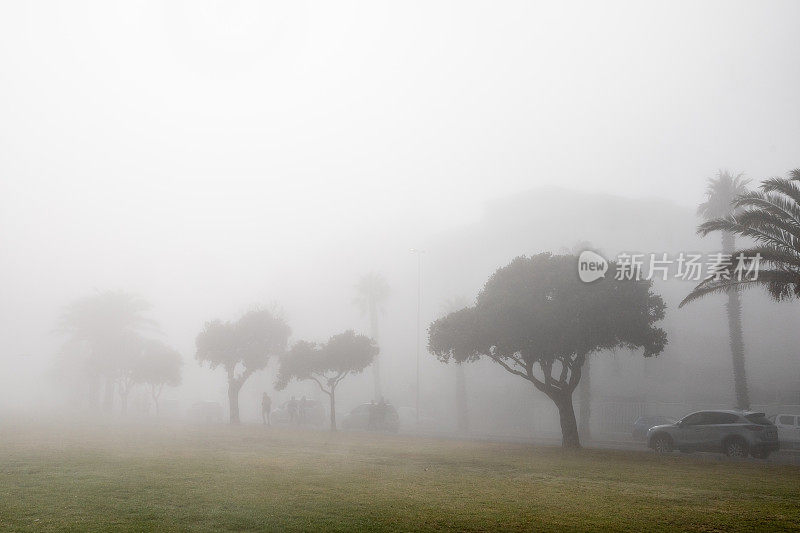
[(418, 253)]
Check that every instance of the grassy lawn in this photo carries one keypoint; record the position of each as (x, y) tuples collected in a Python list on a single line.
[(251, 478)]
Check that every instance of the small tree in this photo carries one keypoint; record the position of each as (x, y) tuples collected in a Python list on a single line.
[(537, 320), (158, 366), (327, 364), (242, 348)]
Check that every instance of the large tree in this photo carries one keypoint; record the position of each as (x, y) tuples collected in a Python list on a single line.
[(721, 194), (157, 366), (770, 217), (104, 324), (372, 291), (242, 348), (327, 364), (538, 321)]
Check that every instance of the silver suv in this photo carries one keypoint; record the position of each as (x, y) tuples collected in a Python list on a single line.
[(734, 433)]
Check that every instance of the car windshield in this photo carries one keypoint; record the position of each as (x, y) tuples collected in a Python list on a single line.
[(758, 418)]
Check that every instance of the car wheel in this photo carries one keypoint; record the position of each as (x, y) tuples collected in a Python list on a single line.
[(736, 448), (662, 444)]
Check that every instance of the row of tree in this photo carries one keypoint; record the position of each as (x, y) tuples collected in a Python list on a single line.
[(533, 317), (247, 345), (107, 339)]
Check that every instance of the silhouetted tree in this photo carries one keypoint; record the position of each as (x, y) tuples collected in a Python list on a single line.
[(537, 320), (327, 364), (158, 366), (241, 348), (104, 324), (129, 359), (372, 291)]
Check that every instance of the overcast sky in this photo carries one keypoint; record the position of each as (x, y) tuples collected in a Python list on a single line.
[(219, 142)]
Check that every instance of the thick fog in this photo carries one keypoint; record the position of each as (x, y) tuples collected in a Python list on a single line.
[(215, 157)]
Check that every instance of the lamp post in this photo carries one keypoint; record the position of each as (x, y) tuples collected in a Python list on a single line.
[(418, 253)]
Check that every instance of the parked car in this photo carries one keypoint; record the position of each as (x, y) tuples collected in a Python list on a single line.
[(734, 433), (315, 413), (788, 429), (359, 418), (643, 423)]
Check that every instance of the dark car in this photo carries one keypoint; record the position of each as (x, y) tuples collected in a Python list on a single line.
[(383, 418), (734, 433), (643, 423)]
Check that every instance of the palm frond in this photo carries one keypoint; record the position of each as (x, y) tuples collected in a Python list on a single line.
[(780, 207), (780, 284), (783, 186), (731, 224)]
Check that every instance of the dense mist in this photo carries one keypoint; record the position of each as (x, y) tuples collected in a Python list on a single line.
[(303, 150)]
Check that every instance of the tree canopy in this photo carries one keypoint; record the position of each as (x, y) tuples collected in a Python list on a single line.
[(242, 348), (104, 333), (327, 364), (537, 320), (157, 366)]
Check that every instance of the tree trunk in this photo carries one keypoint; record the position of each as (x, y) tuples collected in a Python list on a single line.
[(233, 401), (332, 395), (566, 414), (461, 399), (123, 398), (94, 392), (155, 398), (376, 367), (108, 399), (734, 310), (585, 399)]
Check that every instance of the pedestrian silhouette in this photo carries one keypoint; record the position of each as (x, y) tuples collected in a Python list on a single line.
[(266, 408), (291, 406)]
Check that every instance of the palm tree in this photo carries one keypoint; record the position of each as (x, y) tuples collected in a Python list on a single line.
[(105, 324), (721, 195), (771, 218), (372, 291)]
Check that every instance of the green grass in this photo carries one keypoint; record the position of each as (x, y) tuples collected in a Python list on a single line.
[(250, 478)]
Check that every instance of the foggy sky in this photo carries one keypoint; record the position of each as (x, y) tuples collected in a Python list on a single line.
[(210, 156)]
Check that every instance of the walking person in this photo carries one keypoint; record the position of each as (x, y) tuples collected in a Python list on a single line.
[(291, 406), (303, 409)]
